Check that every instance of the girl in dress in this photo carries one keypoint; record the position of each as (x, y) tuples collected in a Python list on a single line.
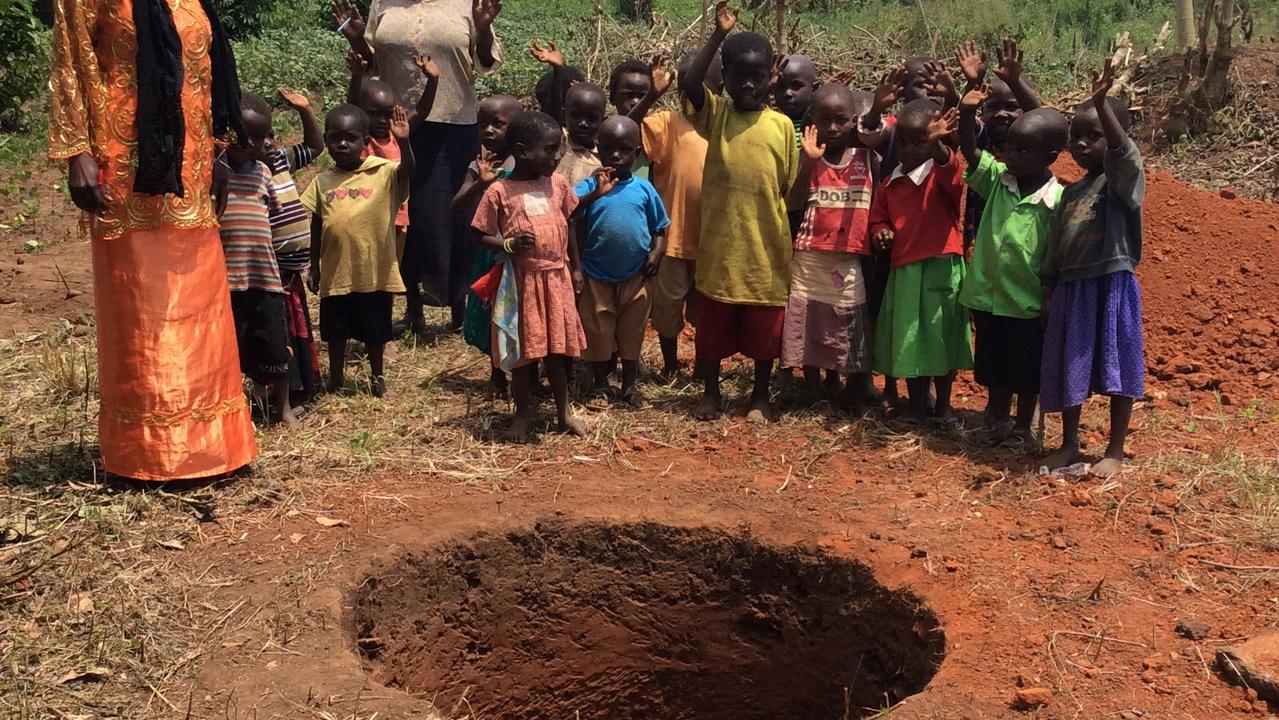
[(525, 217)]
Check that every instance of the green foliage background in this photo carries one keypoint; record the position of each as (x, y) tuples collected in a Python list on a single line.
[(291, 42)]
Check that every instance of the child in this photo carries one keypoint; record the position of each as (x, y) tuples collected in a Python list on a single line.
[(1009, 95), (922, 332), (793, 95), (377, 100), (826, 319), (621, 239), (548, 100), (257, 297), (291, 234), (1094, 342), (582, 113), (494, 115), (677, 156), (1002, 284), (353, 264), (526, 216), (745, 246), (629, 86)]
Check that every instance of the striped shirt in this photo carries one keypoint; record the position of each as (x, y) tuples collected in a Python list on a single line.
[(290, 222), (246, 230)]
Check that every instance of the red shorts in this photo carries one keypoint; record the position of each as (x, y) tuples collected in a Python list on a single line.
[(725, 330)]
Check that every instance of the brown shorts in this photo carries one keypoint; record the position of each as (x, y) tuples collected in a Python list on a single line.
[(614, 316), (674, 296)]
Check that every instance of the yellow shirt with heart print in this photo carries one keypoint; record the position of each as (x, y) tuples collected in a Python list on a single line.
[(357, 211)]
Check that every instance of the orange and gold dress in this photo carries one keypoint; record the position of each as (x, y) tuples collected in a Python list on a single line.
[(172, 401)]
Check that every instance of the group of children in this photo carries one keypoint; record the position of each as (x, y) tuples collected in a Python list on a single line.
[(825, 234)]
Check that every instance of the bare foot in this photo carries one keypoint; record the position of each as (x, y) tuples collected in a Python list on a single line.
[(378, 386), (519, 432), (572, 426), (759, 412), (1064, 457), (1107, 468), (288, 418), (707, 408)]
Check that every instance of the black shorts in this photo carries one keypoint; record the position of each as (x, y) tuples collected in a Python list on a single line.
[(262, 333), (357, 316), (1008, 352)]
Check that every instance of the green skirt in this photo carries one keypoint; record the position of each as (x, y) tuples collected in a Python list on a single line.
[(922, 329), (478, 320)]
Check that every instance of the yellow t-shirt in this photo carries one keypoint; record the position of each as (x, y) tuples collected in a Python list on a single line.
[(744, 252), (357, 244), (676, 155)]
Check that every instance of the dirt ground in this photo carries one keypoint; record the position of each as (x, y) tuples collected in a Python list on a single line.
[(1057, 598)]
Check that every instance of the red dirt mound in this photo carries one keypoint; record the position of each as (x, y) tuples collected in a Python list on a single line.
[(1211, 292)]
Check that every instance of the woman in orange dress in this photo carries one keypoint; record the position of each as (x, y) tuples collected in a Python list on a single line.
[(136, 92)]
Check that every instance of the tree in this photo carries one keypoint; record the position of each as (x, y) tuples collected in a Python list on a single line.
[(1185, 24)]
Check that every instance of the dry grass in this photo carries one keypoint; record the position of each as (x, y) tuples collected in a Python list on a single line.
[(102, 615)]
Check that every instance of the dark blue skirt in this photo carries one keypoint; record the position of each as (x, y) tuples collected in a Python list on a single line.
[(437, 252)]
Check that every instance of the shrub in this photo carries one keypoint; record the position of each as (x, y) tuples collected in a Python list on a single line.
[(24, 61), (307, 59)]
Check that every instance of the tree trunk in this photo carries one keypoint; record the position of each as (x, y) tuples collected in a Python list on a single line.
[(1185, 24), (781, 28)]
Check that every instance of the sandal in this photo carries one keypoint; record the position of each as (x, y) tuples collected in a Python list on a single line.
[(599, 398)]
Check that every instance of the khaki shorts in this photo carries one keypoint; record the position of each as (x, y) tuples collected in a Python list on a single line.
[(674, 296), (614, 316)]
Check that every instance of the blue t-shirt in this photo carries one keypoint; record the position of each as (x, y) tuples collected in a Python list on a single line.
[(620, 227)]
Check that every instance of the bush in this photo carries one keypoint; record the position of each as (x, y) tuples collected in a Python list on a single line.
[(306, 59), (24, 61)]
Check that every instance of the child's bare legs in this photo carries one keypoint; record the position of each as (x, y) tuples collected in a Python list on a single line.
[(670, 356), (498, 386), (917, 392), (998, 409), (377, 354), (1120, 418), (414, 314), (337, 364), (812, 382), (890, 390), (856, 399), (557, 372), (631, 394), (942, 410), (280, 398), (600, 370), (522, 379), (760, 410), (708, 407), (1069, 452)]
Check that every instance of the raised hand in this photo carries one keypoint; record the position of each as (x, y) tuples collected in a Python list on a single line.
[(400, 124), (1010, 59), (724, 19), (940, 82), (660, 78), (812, 148), (890, 88), (487, 166), (347, 17), (294, 99), (972, 62), (549, 55), (779, 67), (484, 12), (1102, 82), (604, 181), (974, 99), (942, 125), (427, 66), (356, 63)]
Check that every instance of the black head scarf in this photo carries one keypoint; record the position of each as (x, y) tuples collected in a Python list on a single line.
[(160, 124)]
